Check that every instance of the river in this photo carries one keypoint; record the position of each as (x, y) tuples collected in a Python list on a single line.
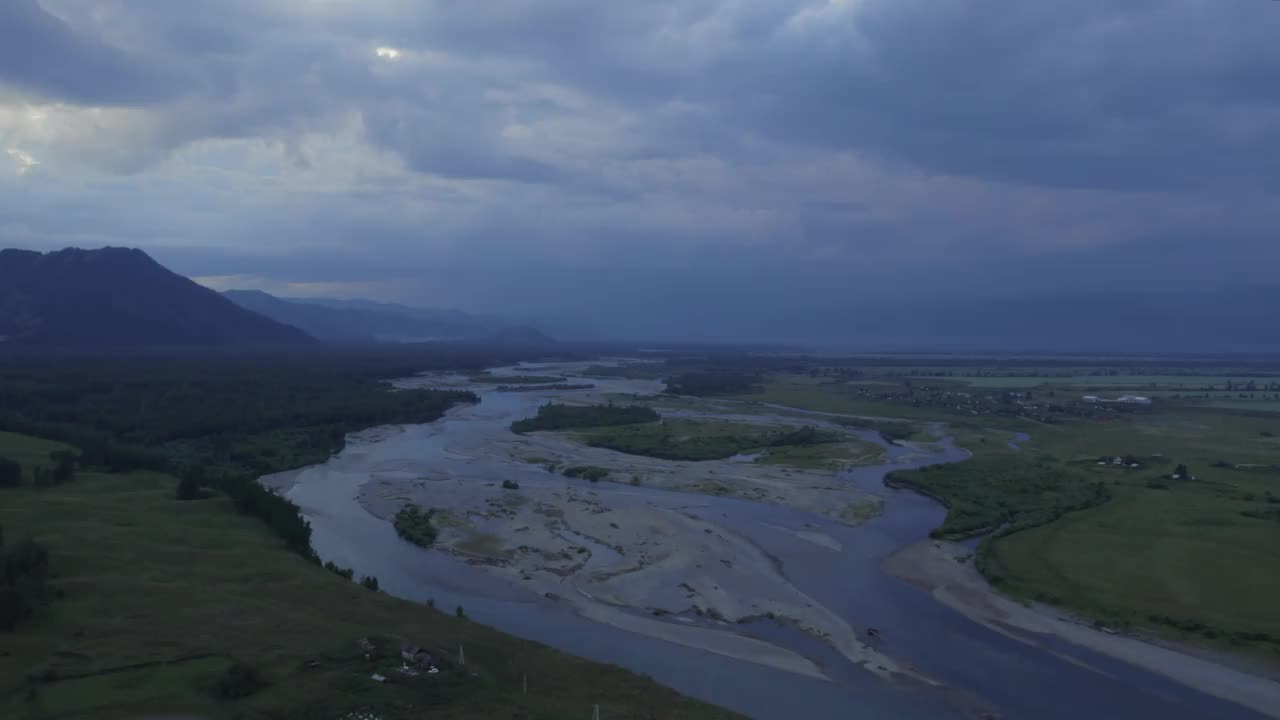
[(984, 673)]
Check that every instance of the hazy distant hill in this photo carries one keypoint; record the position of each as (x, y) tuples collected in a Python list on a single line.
[(321, 322), (1231, 320), (366, 320), (521, 335), (121, 298)]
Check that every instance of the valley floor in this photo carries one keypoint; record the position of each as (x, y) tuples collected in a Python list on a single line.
[(944, 570)]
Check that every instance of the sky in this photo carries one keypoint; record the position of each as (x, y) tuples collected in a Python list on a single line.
[(720, 169)]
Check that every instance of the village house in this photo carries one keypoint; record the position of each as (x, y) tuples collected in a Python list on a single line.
[(1134, 400), (413, 654)]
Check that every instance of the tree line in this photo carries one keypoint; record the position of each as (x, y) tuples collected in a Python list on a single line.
[(220, 422), (62, 470), (713, 382), (24, 567), (556, 416)]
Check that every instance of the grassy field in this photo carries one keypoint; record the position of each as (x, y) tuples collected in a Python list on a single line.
[(1175, 557), (1163, 550), (1199, 438), (554, 416), (1267, 406), (1006, 489), (28, 452), (1104, 381), (1159, 559), (517, 379), (695, 440), (832, 398), (1190, 560), (824, 456), (681, 439), (146, 578)]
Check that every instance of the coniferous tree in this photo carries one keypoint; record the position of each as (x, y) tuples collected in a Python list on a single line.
[(10, 473)]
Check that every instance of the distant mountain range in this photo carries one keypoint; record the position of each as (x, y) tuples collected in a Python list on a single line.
[(369, 321), (121, 298), (1230, 320)]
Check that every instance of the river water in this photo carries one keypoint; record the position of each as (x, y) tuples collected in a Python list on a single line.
[(982, 670)]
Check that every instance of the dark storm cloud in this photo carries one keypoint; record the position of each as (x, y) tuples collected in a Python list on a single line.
[(41, 53), (1144, 94), (1139, 95), (776, 162), (1147, 94)]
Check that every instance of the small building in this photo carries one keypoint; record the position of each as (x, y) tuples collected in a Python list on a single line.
[(413, 654), (1134, 400)]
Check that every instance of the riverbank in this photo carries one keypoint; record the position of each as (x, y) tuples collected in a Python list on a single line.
[(632, 557), (942, 569), (153, 601), (595, 581)]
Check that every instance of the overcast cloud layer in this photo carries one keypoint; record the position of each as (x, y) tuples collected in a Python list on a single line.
[(717, 168)]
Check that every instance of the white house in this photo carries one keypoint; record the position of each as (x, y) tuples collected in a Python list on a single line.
[(1135, 400)]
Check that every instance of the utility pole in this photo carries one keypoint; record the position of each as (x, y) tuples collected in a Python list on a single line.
[(462, 658), (595, 713)]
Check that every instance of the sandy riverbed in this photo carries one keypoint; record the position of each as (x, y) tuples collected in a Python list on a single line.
[(623, 555), (936, 567), (696, 547), (641, 551)]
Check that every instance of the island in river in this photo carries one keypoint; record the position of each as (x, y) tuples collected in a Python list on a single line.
[(746, 584)]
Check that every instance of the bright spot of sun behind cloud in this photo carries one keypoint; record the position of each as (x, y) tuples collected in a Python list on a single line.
[(387, 53)]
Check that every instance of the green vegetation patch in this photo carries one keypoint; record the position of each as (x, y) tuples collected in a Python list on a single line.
[(702, 439), (823, 456), (630, 371), (517, 379), (1183, 560), (28, 453), (837, 398), (555, 416), (159, 685), (414, 524), (160, 598), (587, 472), (1002, 491), (893, 431), (704, 383), (220, 421)]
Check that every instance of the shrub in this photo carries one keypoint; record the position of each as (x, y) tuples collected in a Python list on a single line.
[(240, 681), (188, 488), (510, 485), (64, 469), (10, 473), (712, 383), (805, 437), (554, 416), (588, 472), (332, 567), (414, 524)]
